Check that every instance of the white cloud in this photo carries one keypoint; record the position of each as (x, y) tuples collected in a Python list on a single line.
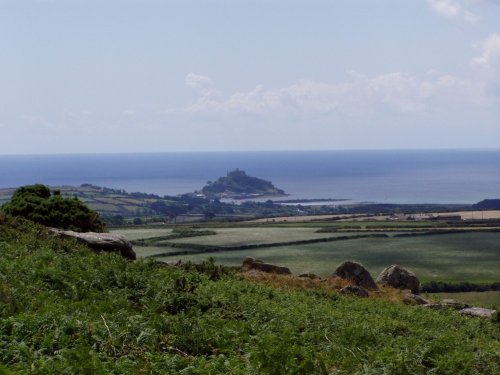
[(490, 52), (197, 81), (453, 9), (446, 8), (203, 84), (359, 96), (304, 96)]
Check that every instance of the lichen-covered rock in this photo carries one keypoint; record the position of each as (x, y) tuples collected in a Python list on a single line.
[(414, 299), (399, 278), (99, 241), (355, 290), (356, 273), (257, 264), (478, 312)]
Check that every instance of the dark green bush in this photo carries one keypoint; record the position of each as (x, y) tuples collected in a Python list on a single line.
[(35, 203)]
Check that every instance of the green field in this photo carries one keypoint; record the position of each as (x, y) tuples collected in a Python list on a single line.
[(261, 235), (472, 257), (227, 237), (358, 225), (489, 299), (138, 233)]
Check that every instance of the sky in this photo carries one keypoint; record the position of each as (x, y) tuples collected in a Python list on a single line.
[(104, 76)]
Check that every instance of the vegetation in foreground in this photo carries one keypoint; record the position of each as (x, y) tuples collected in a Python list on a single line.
[(65, 310)]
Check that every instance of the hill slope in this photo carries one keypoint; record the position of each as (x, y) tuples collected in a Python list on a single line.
[(488, 204), (64, 309), (237, 184)]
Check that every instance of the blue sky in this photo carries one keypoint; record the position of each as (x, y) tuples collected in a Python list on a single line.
[(151, 76)]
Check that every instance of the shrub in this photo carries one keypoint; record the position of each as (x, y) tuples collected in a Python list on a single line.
[(35, 203)]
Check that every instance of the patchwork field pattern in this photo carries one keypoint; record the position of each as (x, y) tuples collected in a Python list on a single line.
[(456, 257), (473, 257)]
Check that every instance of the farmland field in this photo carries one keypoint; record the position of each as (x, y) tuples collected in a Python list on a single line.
[(489, 299), (226, 237), (261, 235), (137, 233), (461, 257), (472, 257)]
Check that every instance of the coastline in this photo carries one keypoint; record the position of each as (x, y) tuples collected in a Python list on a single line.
[(402, 177)]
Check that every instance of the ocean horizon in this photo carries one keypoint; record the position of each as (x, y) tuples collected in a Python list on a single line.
[(383, 176)]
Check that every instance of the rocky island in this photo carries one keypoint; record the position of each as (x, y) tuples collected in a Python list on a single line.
[(238, 185)]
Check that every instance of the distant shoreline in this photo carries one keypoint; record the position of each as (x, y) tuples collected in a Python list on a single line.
[(312, 200), (403, 177), (241, 197)]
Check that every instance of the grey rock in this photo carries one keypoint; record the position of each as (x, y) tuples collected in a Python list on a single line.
[(257, 264), (478, 312), (355, 290), (414, 299), (356, 273), (99, 241), (400, 278)]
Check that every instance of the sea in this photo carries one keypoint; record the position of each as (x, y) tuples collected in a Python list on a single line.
[(418, 176)]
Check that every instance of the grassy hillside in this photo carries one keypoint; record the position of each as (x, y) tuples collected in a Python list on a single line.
[(65, 310)]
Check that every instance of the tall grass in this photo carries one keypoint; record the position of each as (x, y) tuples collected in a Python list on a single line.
[(66, 310)]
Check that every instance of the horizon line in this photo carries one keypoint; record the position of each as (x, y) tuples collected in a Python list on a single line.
[(251, 151)]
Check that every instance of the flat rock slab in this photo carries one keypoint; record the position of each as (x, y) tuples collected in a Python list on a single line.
[(415, 299), (257, 264), (99, 241), (478, 311)]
